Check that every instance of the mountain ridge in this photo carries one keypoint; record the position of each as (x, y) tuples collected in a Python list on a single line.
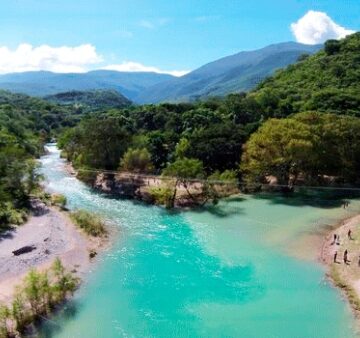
[(238, 72), (242, 71), (44, 83)]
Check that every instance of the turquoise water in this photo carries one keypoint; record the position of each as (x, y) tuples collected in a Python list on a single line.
[(230, 271)]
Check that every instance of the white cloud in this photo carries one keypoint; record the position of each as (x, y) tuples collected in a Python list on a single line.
[(317, 27), (56, 59), (65, 59), (130, 66)]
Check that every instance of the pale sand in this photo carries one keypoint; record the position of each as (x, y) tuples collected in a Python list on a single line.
[(54, 235), (350, 274)]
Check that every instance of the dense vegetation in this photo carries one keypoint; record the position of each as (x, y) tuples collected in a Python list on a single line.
[(92, 100), (310, 147), (213, 131), (202, 138), (36, 298), (328, 81), (25, 124)]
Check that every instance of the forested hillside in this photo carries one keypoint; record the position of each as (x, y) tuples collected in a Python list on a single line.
[(92, 100), (25, 124), (235, 73), (328, 81)]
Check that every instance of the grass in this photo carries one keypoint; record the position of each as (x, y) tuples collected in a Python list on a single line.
[(92, 224)]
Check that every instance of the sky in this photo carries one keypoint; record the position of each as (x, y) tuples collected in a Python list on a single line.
[(169, 36)]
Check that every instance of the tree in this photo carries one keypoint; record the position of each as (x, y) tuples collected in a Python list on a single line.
[(101, 142), (308, 145), (64, 283), (332, 47), (282, 148), (219, 146), (182, 171), (182, 148), (137, 160), (159, 145)]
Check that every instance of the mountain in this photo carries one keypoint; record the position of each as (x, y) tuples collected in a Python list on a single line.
[(328, 81), (239, 72), (236, 73), (43, 83), (91, 100)]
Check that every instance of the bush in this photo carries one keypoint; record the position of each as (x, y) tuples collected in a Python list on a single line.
[(37, 297), (11, 216), (58, 200), (45, 198), (162, 195), (89, 222), (137, 160)]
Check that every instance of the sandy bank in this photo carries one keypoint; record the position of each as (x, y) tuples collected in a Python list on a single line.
[(345, 276), (53, 235)]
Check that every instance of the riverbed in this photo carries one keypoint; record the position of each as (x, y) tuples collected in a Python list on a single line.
[(245, 268)]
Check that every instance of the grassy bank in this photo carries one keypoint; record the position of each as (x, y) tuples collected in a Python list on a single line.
[(90, 223)]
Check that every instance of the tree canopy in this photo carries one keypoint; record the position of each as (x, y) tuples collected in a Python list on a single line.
[(309, 146)]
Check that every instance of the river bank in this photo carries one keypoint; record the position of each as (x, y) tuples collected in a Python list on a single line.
[(345, 275), (50, 235)]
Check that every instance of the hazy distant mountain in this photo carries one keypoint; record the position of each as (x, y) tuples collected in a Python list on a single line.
[(47, 83), (239, 72), (91, 100)]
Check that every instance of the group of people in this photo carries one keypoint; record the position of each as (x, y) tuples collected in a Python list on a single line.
[(336, 241)]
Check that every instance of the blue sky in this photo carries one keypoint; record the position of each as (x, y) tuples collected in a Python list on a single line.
[(168, 35)]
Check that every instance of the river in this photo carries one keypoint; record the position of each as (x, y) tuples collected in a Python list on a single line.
[(239, 269)]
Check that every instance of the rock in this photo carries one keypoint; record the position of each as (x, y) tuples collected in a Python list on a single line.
[(38, 207), (24, 250), (92, 254)]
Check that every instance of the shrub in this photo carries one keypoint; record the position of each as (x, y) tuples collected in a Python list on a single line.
[(89, 222), (137, 160), (37, 297), (11, 216), (162, 195), (58, 200)]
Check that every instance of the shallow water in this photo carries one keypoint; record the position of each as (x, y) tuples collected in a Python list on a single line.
[(228, 271)]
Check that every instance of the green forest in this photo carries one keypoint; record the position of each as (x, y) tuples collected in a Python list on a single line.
[(25, 125), (300, 126), (215, 132)]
